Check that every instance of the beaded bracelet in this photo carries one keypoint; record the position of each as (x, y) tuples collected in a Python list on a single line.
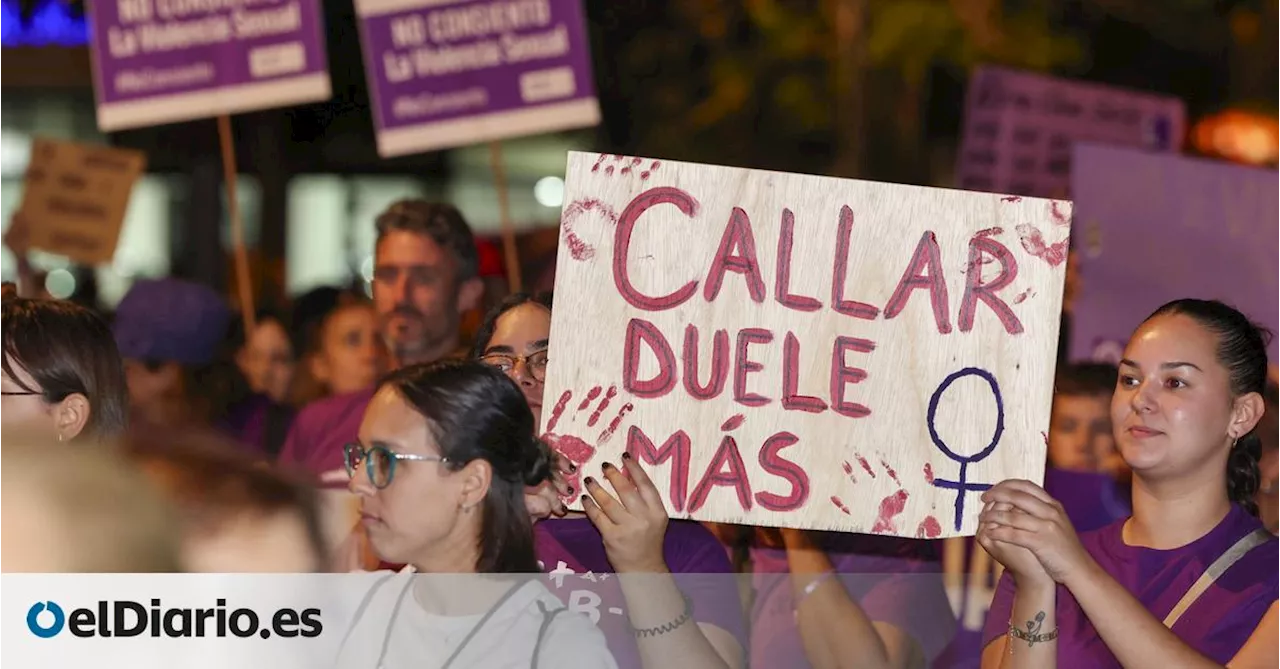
[(684, 617), (1031, 639)]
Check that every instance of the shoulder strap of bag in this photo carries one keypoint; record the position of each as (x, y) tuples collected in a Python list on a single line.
[(547, 618), (1219, 567)]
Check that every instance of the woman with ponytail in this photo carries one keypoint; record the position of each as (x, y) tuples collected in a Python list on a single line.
[(445, 453), (1190, 579)]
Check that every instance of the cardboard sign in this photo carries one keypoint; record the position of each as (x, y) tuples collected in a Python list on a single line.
[(804, 351), (1155, 228), (1019, 129), (161, 61), (75, 196), (446, 73)]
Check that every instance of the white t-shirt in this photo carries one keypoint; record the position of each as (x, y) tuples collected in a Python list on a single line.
[(394, 631)]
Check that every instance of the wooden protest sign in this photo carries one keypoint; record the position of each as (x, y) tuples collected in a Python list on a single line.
[(804, 351), (75, 196)]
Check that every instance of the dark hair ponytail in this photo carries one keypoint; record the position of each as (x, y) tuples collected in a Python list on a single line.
[(476, 413), (539, 468), (1242, 349), (1243, 475)]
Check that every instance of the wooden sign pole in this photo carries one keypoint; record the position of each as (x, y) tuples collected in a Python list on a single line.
[(243, 278), (514, 280)]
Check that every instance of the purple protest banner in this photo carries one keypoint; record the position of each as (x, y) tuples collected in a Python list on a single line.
[(445, 73), (1153, 228), (163, 61), (1019, 129)]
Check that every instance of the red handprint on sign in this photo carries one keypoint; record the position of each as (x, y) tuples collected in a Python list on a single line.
[(583, 418)]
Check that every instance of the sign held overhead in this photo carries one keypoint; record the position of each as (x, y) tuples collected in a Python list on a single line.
[(804, 351)]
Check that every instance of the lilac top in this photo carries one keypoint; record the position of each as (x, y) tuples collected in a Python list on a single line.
[(895, 581), (1216, 625), (572, 552), (320, 431)]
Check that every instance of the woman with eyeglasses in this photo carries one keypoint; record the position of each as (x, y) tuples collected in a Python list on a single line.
[(444, 455), (62, 372), (677, 604)]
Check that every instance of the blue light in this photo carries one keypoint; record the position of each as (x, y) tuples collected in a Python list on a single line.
[(52, 24)]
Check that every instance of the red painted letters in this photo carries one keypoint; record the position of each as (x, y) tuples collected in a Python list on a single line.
[(622, 245), (927, 257), (772, 461), (737, 254)]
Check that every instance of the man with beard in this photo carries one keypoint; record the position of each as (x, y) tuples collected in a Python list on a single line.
[(424, 280)]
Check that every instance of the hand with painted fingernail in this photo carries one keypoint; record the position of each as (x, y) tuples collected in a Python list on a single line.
[(632, 520), (547, 500)]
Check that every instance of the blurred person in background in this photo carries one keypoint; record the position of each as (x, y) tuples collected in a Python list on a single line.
[(179, 342), (266, 356), (441, 463), (61, 371), (1269, 463), (71, 510), (237, 516), (169, 332), (342, 354), (1085, 470), (424, 279), (668, 570)]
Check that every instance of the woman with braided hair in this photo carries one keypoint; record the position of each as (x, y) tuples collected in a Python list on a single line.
[(1189, 580)]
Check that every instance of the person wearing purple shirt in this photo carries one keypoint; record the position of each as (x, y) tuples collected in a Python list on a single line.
[(1084, 474), (662, 590), (825, 599), (424, 279), (1190, 579)]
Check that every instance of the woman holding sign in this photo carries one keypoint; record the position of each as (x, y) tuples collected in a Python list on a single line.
[(1193, 554), (674, 601)]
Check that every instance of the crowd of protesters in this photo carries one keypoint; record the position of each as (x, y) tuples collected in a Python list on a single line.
[(381, 435)]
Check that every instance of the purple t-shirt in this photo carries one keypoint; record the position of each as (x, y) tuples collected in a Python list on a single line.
[(572, 553), (895, 581), (320, 431), (1216, 625), (1092, 500)]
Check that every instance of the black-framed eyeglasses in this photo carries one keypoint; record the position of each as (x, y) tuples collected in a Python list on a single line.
[(535, 362), (381, 462)]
